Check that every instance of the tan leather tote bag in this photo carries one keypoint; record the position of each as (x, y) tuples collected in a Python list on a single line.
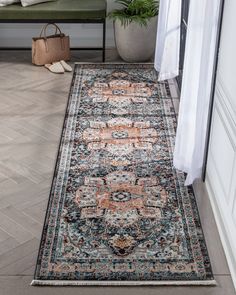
[(49, 49)]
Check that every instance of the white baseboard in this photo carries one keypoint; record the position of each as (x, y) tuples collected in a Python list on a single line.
[(222, 221), (81, 35)]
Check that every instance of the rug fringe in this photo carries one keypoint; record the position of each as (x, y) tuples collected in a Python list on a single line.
[(122, 283)]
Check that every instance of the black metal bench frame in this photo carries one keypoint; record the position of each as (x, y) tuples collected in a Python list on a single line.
[(64, 21)]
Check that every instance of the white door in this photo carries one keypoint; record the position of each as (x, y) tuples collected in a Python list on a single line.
[(221, 165)]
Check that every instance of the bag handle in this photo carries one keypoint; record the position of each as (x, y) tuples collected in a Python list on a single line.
[(44, 28), (43, 32)]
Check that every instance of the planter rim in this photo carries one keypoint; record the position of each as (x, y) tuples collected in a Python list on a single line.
[(133, 22)]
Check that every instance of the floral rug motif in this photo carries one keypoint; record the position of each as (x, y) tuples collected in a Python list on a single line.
[(118, 210)]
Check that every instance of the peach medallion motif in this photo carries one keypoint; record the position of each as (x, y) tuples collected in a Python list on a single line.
[(122, 200), (120, 136), (120, 93)]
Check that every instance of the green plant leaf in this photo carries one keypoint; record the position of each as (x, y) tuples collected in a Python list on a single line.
[(139, 11)]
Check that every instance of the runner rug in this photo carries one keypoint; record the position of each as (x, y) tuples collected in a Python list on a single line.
[(119, 212)]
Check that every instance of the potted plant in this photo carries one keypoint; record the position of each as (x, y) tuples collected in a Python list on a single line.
[(135, 25)]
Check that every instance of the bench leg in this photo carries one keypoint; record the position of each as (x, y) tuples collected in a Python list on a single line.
[(104, 41)]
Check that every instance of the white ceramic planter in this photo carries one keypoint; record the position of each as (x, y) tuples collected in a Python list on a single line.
[(136, 43)]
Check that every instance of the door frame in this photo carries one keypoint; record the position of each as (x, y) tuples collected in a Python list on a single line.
[(183, 34), (213, 88)]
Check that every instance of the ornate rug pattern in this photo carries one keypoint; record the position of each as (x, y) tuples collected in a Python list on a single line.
[(118, 211)]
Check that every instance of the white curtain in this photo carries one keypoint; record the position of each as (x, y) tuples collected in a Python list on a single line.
[(168, 39), (196, 87)]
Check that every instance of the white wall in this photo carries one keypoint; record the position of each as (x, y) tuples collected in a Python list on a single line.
[(221, 169), (82, 35)]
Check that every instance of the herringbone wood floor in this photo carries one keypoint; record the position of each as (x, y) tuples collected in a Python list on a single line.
[(32, 106)]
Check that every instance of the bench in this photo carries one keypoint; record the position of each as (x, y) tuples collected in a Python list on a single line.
[(60, 11)]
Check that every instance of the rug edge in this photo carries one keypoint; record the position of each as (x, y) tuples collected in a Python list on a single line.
[(122, 283), (112, 63)]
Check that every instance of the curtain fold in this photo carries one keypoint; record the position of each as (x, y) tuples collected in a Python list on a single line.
[(168, 39), (196, 87)]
